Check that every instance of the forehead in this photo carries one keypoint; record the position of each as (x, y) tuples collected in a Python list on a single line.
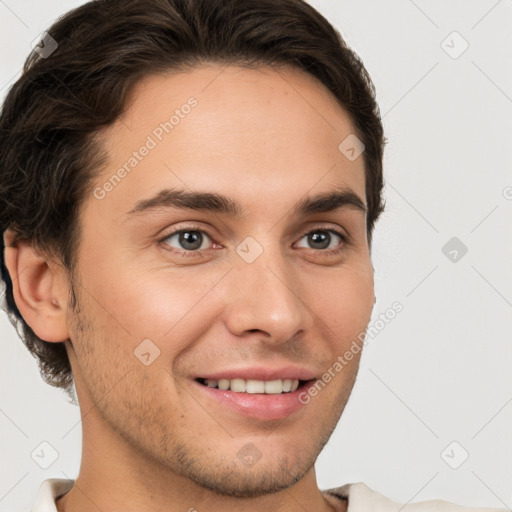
[(255, 132)]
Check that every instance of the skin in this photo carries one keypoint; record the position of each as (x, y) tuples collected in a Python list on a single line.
[(266, 138)]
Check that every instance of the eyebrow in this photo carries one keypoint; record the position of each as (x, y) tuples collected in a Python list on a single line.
[(218, 203)]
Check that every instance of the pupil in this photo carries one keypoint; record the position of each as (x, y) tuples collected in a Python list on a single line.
[(190, 239), (321, 237)]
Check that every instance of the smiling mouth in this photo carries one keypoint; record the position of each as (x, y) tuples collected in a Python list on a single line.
[(268, 387)]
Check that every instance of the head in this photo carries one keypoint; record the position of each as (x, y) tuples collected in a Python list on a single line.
[(157, 179)]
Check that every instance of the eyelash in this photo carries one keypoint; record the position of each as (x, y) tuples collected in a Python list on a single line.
[(201, 252)]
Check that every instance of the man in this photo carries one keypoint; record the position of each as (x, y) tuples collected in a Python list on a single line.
[(188, 195)]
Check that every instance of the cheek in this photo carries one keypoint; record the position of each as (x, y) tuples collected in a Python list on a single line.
[(159, 304), (344, 303)]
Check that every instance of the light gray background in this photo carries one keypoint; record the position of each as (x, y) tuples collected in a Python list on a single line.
[(441, 370)]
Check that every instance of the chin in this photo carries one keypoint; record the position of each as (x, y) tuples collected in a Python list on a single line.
[(231, 478), (249, 483)]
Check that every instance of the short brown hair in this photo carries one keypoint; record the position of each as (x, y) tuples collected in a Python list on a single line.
[(49, 156)]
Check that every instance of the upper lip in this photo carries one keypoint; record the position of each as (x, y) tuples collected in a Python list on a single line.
[(261, 373)]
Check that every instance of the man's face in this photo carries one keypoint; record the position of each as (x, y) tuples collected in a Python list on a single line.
[(268, 294)]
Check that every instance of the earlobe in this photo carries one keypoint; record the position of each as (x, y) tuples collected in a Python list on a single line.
[(37, 288)]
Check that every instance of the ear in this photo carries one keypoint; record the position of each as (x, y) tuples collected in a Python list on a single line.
[(39, 287)]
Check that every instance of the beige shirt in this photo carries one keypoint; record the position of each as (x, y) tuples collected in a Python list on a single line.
[(360, 499)]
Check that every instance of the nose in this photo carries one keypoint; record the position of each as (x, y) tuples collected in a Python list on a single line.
[(264, 297)]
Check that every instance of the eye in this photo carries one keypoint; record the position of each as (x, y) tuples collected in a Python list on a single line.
[(194, 242), (328, 240), (187, 240)]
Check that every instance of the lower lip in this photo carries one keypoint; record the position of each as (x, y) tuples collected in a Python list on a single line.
[(258, 405)]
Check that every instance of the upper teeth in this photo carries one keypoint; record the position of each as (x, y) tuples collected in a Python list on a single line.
[(254, 386)]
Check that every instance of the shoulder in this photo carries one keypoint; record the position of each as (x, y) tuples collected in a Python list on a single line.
[(361, 498), (48, 492)]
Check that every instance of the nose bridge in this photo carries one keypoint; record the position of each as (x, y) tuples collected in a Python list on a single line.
[(265, 295)]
